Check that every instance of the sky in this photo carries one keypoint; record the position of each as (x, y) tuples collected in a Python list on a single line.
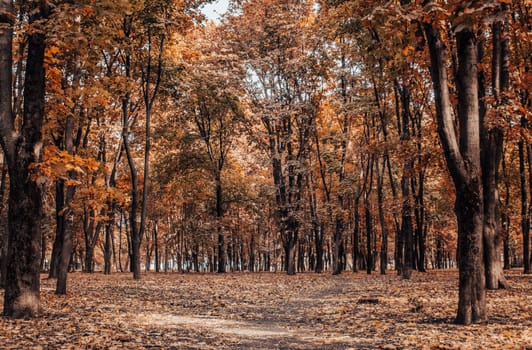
[(215, 9)]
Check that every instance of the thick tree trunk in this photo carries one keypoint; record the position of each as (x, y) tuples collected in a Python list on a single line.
[(472, 296), (469, 199), (23, 260), (7, 17), (463, 160), (21, 297)]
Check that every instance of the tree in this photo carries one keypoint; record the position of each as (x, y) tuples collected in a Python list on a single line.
[(144, 35), (492, 136), (285, 89), (22, 147), (213, 105), (462, 153)]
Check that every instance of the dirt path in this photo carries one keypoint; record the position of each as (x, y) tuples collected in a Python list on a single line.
[(269, 311)]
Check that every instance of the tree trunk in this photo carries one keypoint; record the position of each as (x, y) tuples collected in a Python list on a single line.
[(382, 219), (3, 232), (135, 231), (491, 154), (7, 16), (89, 259), (407, 229), (149, 250), (369, 236), (91, 231), (318, 242), (290, 249), (21, 297), (463, 160), (317, 229), (156, 244), (525, 219), (59, 228), (356, 234), (338, 243), (527, 256), (108, 246), (120, 243), (66, 247), (469, 206), (222, 258), (65, 253)]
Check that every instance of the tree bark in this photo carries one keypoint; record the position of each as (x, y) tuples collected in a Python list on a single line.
[(222, 257), (527, 262), (59, 228), (469, 206), (65, 253), (290, 248), (66, 247), (356, 234), (407, 228), (22, 149), (156, 243), (463, 160), (525, 218), (135, 230), (4, 232), (491, 154), (108, 245), (382, 219), (7, 17), (338, 245)]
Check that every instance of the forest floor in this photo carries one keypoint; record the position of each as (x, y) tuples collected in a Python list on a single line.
[(269, 311)]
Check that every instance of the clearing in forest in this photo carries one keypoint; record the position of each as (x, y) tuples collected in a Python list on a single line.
[(269, 311)]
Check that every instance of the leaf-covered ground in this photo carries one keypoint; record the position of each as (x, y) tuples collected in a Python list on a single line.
[(269, 311)]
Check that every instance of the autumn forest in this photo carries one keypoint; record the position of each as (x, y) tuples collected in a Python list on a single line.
[(342, 139)]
